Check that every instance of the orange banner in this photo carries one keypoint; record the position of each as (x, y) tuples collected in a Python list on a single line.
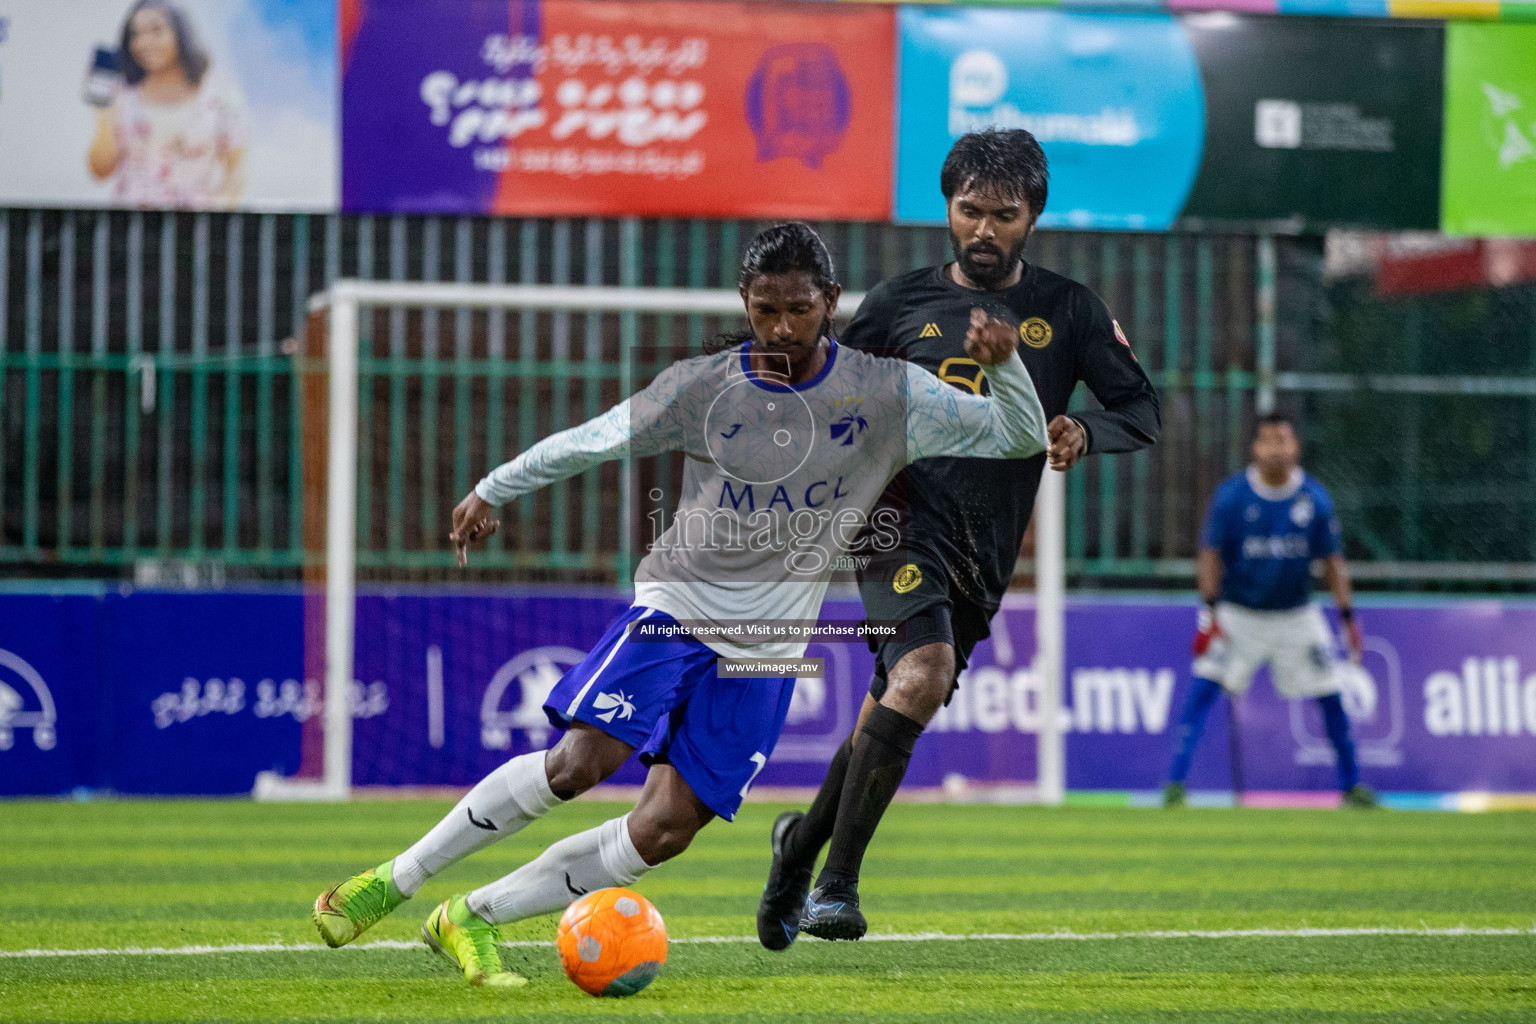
[(707, 110)]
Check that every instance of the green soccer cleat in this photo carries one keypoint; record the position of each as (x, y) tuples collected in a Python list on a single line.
[(468, 941), (347, 909), (1173, 794), (1361, 797)]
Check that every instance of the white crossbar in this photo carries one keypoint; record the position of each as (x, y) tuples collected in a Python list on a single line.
[(715, 301)]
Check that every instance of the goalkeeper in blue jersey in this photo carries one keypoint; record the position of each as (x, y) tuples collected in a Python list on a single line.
[(790, 439), (1264, 528)]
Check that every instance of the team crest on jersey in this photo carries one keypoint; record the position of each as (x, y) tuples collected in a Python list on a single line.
[(1035, 332), (931, 330), (907, 579), (1302, 511), (850, 424), (1120, 337)]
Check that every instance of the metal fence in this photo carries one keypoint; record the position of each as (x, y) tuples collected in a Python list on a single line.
[(153, 423)]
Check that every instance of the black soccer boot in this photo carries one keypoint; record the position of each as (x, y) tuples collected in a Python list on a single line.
[(778, 915), (832, 912), (1360, 797)]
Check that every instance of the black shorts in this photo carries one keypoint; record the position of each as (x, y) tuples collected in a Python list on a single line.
[(916, 591)]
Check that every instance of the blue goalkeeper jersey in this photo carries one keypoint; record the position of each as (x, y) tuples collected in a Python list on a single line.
[(1267, 538)]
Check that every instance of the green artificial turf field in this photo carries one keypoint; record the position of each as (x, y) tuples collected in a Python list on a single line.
[(1390, 916)]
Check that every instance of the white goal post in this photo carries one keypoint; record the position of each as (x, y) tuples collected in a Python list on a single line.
[(342, 304)]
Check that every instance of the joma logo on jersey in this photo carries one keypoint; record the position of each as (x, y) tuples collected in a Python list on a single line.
[(931, 330)]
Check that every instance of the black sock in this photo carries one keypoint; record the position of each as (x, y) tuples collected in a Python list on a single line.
[(881, 752), (811, 834)]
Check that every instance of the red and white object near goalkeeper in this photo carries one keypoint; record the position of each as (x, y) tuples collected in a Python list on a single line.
[(612, 942)]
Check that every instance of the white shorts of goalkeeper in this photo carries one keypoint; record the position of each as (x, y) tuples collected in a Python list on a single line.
[(1296, 643)]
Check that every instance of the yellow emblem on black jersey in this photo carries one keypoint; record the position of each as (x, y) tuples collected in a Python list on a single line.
[(908, 578), (931, 331), (968, 375), (1035, 333)]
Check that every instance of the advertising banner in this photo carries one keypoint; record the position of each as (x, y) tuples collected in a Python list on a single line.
[(1490, 130), (207, 689), (178, 104), (1204, 121), (1447, 701), (53, 706), (195, 693), (549, 107), (1315, 123), (1422, 263), (1115, 100)]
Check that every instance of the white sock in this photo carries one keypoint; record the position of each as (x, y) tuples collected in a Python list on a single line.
[(506, 800), (595, 859)]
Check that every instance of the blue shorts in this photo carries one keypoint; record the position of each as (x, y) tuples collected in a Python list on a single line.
[(662, 698)]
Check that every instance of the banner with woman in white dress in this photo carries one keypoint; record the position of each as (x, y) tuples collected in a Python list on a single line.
[(168, 104)]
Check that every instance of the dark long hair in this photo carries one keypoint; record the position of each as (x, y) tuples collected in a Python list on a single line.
[(1006, 161), (189, 51), (788, 248)]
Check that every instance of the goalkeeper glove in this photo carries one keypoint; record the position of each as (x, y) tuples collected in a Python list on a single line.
[(1206, 628), (1353, 635)]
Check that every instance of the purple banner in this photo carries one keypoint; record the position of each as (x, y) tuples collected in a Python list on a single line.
[(193, 693), (1447, 701)]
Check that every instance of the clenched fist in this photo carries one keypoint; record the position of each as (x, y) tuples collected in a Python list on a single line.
[(1068, 442), (989, 340)]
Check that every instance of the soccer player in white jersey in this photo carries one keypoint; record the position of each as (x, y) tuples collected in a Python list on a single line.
[(790, 439), (1265, 527)]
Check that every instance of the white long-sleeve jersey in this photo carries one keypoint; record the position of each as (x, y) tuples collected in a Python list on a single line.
[(779, 480)]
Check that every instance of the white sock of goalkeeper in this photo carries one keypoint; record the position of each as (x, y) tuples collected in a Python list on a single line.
[(595, 859), (500, 804)]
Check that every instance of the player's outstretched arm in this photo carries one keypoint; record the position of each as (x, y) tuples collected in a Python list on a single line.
[(560, 456), (942, 420), (644, 424), (1131, 417)]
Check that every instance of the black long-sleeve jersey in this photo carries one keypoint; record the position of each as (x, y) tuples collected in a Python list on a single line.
[(971, 514)]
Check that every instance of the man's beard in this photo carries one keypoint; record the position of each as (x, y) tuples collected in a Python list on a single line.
[(987, 275)]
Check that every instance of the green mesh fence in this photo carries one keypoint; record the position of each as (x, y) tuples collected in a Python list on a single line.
[(153, 419)]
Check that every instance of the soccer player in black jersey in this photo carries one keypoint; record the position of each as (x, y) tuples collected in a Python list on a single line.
[(964, 519)]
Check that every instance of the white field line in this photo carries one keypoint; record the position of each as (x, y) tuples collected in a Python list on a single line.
[(1058, 936)]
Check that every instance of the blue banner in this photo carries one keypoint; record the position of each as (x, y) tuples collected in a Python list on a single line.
[(1116, 101), (454, 684), (207, 688), (141, 692), (53, 706)]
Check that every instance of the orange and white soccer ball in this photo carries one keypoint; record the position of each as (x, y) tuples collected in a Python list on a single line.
[(612, 942)]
